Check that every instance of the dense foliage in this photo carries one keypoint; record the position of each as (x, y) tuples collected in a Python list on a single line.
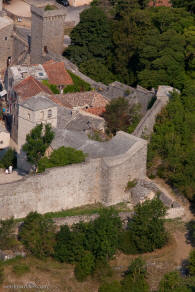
[(60, 157), (87, 244), (7, 237), (37, 142), (146, 231), (173, 142), (136, 44), (52, 87), (37, 235), (9, 158), (78, 84)]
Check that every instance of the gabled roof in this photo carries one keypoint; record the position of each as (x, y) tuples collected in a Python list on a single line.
[(30, 87), (38, 102), (57, 74), (95, 101)]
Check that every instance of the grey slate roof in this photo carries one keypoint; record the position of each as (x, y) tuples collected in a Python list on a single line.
[(119, 144), (38, 102)]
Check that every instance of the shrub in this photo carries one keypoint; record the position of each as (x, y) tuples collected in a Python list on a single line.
[(37, 235), (37, 141), (192, 263), (7, 237), (1, 273), (146, 228), (85, 267), (110, 287), (60, 157), (9, 158), (52, 87), (20, 269), (135, 277), (69, 245), (79, 84), (126, 244), (131, 184)]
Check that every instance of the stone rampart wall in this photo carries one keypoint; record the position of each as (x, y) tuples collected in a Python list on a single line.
[(97, 180)]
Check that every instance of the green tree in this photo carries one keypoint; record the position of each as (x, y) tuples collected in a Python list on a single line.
[(7, 236), (188, 4), (135, 277), (1, 273), (146, 229), (37, 142), (37, 235), (60, 157), (192, 263), (173, 142), (102, 235), (9, 158), (110, 287), (172, 282), (69, 245), (85, 267), (97, 71), (91, 37)]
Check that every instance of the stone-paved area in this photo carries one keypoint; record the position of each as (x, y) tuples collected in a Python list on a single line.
[(19, 8), (8, 178)]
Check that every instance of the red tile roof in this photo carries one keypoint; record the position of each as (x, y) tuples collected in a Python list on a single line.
[(30, 87), (157, 3), (57, 74), (95, 101)]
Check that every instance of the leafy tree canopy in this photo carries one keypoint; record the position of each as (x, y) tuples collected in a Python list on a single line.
[(37, 142), (37, 235)]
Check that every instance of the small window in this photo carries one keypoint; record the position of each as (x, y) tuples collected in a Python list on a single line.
[(49, 113), (1, 142), (42, 115), (28, 116), (5, 38)]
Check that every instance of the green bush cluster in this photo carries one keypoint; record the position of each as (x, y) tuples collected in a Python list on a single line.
[(135, 44), (90, 245), (9, 158), (60, 157), (52, 87), (79, 84), (173, 142)]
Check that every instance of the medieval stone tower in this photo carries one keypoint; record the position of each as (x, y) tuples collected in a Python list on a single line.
[(6, 40), (47, 32)]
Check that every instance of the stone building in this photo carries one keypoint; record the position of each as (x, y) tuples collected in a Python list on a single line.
[(47, 32), (6, 40), (35, 110)]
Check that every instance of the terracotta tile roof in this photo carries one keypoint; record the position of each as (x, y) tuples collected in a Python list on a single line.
[(30, 87), (157, 3), (79, 99), (57, 99), (95, 102), (57, 74)]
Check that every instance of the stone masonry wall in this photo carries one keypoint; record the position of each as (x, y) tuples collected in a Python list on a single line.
[(145, 126), (97, 180), (6, 44)]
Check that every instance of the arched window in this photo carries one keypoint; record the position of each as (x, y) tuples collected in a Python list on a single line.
[(49, 113), (28, 116)]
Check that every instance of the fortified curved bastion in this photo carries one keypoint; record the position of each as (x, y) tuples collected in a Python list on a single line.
[(102, 178)]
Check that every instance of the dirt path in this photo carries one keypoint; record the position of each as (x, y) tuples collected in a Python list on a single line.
[(188, 216)]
